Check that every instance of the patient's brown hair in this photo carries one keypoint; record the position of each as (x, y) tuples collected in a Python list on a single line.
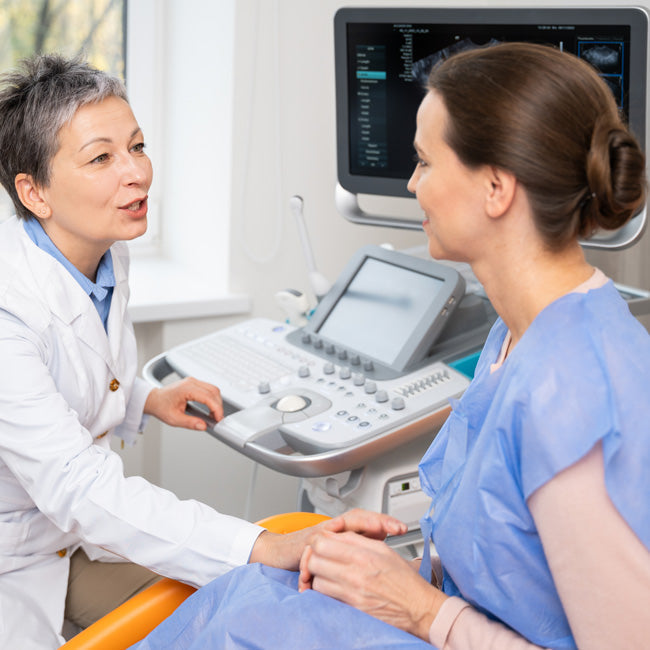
[(547, 117)]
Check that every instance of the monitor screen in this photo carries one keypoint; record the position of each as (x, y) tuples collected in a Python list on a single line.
[(380, 309), (383, 57)]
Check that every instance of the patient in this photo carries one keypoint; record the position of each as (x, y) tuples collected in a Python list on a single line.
[(538, 479)]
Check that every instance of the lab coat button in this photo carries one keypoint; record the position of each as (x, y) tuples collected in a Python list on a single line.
[(101, 435), (114, 385), (63, 552)]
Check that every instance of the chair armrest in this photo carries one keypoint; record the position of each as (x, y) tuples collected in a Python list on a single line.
[(134, 619)]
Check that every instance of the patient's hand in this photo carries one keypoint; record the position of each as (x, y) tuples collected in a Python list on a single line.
[(370, 576)]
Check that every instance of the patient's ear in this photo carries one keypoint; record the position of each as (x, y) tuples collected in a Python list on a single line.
[(31, 196), (500, 195)]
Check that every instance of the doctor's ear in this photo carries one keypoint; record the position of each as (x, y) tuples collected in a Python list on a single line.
[(501, 191), (31, 196)]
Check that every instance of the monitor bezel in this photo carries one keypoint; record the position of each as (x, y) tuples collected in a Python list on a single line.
[(424, 334), (634, 17)]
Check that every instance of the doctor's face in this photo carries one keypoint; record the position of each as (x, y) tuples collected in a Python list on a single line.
[(450, 193), (99, 181)]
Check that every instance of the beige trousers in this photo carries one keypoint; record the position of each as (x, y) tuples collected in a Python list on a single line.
[(96, 588)]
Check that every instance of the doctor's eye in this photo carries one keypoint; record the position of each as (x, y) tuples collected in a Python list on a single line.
[(100, 159), (139, 147)]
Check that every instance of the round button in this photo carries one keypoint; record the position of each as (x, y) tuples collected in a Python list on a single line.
[(345, 373), (371, 387), (318, 344), (358, 379), (329, 369), (264, 387), (368, 365), (291, 403), (303, 371), (355, 360), (381, 396), (398, 404), (330, 349), (114, 385), (306, 338), (321, 426), (343, 355)]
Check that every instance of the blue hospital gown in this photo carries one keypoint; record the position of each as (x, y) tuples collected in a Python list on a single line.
[(579, 375)]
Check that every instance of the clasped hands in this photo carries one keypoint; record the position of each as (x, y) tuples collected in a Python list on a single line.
[(346, 558)]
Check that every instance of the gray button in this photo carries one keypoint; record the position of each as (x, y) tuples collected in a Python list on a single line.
[(263, 387), (371, 387), (329, 369), (358, 379), (345, 373), (397, 404), (303, 371), (381, 396)]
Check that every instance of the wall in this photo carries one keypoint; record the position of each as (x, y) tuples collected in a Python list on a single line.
[(284, 144)]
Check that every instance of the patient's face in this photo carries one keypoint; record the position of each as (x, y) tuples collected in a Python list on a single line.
[(451, 194)]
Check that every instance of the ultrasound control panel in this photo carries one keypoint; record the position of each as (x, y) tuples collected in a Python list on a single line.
[(312, 404), (359, 379)]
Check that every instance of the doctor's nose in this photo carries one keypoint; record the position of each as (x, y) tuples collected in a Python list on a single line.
[(137, 171)]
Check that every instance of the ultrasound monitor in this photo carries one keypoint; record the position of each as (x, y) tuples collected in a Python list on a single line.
[(384, 313), (383, 57)]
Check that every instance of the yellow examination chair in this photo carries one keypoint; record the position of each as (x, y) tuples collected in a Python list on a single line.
[(134, 619)]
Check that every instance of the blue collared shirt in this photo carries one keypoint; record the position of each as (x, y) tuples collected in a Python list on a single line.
[(100, 291)]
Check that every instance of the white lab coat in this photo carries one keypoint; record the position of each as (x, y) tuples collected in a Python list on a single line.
[(60, 483)]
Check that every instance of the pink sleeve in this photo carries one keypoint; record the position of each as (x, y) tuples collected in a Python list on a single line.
[(600, 567), (458, 626), (601, 570)]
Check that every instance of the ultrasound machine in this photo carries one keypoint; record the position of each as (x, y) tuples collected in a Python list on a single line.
[(350, 401)]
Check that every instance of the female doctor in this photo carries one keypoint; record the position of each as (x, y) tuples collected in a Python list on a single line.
[(73, 162)]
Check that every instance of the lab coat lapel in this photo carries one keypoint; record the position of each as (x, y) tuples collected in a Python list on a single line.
[(69, 302), (119, 301)]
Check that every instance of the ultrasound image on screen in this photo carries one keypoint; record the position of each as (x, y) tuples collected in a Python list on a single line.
[(388, 63), (380, 309)]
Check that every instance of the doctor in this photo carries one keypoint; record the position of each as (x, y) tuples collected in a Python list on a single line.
[(74, 164)]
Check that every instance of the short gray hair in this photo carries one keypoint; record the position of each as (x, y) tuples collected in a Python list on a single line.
[(36, 100)]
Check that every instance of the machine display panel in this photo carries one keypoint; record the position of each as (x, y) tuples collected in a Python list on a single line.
[(383, 57), (379, 309), (386, 307)]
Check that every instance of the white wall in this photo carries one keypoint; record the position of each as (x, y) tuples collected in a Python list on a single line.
[(283, 144)]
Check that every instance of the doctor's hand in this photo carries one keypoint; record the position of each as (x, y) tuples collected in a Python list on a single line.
[(369, 575), (169, 403), (285, 551)]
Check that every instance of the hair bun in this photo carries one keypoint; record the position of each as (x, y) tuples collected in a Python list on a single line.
[(616, 178)]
